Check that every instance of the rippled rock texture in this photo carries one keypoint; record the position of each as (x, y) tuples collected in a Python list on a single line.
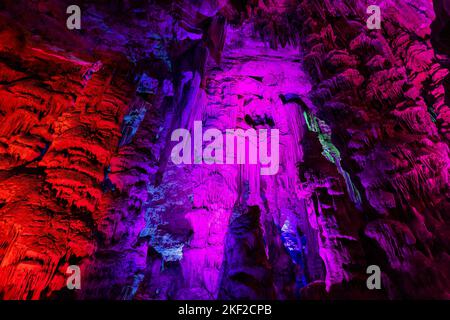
[(86, 176)]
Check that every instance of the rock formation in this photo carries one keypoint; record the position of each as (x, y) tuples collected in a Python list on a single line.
[(86, 176)]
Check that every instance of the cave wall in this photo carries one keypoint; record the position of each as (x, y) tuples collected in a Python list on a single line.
[(86, 177)]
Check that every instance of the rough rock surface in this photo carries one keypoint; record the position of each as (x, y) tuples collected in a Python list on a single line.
[(86, 176)]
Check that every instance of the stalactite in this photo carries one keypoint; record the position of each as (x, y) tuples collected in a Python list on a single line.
[(85, 150)]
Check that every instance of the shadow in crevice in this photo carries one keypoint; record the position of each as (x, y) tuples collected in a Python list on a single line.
[(440, 39), (246, 273)]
